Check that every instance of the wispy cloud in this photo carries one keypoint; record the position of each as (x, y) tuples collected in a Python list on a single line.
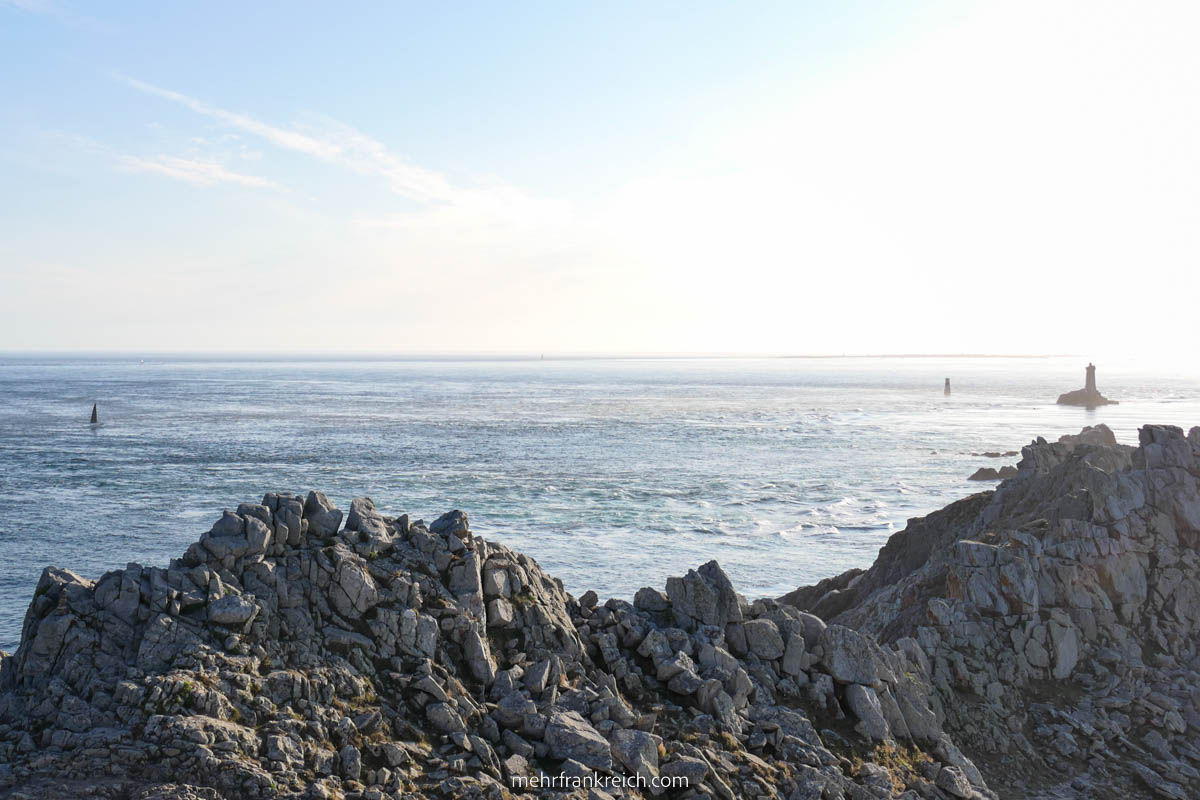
[(290, 140), (368, 156), (197, 172), (492, 212), (338, 144)]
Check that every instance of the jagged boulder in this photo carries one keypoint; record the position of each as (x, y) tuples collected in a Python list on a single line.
[(323, 517), (848, 656), (570, 736), (704, 596)]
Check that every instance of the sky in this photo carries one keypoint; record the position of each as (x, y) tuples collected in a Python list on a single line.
[(668, 177)]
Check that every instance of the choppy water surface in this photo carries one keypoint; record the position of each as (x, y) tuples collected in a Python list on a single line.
[(613, 473)]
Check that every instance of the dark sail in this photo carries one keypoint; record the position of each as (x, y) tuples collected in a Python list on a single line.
[(95, 418)]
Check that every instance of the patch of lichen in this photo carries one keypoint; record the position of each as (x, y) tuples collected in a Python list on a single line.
[(523, 598), (903, 762)]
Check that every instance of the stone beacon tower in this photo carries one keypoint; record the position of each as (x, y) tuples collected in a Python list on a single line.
[(1089, 396)]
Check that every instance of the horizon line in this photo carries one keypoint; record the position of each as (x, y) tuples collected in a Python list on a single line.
[(379, 355)]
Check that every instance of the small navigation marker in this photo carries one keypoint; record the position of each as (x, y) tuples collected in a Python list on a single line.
[(947, 390), (95, 416)]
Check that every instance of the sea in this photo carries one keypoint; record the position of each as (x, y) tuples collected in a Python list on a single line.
[(614, 473)]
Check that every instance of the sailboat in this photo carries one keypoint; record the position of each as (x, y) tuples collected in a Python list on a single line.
[(95, 416)]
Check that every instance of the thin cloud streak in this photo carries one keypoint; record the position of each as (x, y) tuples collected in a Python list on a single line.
[(194, 171), (483, 212), (289, 140), (342, 145)]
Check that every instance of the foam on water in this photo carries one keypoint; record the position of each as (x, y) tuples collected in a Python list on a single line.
[(614, 474)]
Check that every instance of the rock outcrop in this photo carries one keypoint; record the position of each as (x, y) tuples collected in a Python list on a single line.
[(1088, 396), (289, 655), (993, 474), (1035, 641), (1058, 617)]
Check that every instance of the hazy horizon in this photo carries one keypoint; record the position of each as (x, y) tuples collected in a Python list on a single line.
[(783, 179), (1152, 367), (525, 353)]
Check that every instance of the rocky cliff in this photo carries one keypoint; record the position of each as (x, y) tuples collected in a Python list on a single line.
[(1057, 616), (1044, 629), (287, 654)]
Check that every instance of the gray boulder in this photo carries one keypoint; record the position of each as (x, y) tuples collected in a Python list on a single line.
[(692, 770), (813, 627), (443, 717), (648, 599), (793, 655), (232, 610), (763, 639), (353, 591), (230, 524), (362, 509), (704, 596), (511, 710), (452, 523), (323, 517), (570, 736), (351, 760), (952, 781), (848, 656), (863, 703), (637, 751)]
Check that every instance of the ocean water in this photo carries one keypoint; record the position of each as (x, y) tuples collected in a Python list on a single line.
[(612, 473)]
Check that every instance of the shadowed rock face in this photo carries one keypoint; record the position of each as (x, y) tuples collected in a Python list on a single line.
[(286, 655), (1059, 615)]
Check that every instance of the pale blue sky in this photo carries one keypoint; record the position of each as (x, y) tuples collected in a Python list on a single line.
[(768, 177)]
